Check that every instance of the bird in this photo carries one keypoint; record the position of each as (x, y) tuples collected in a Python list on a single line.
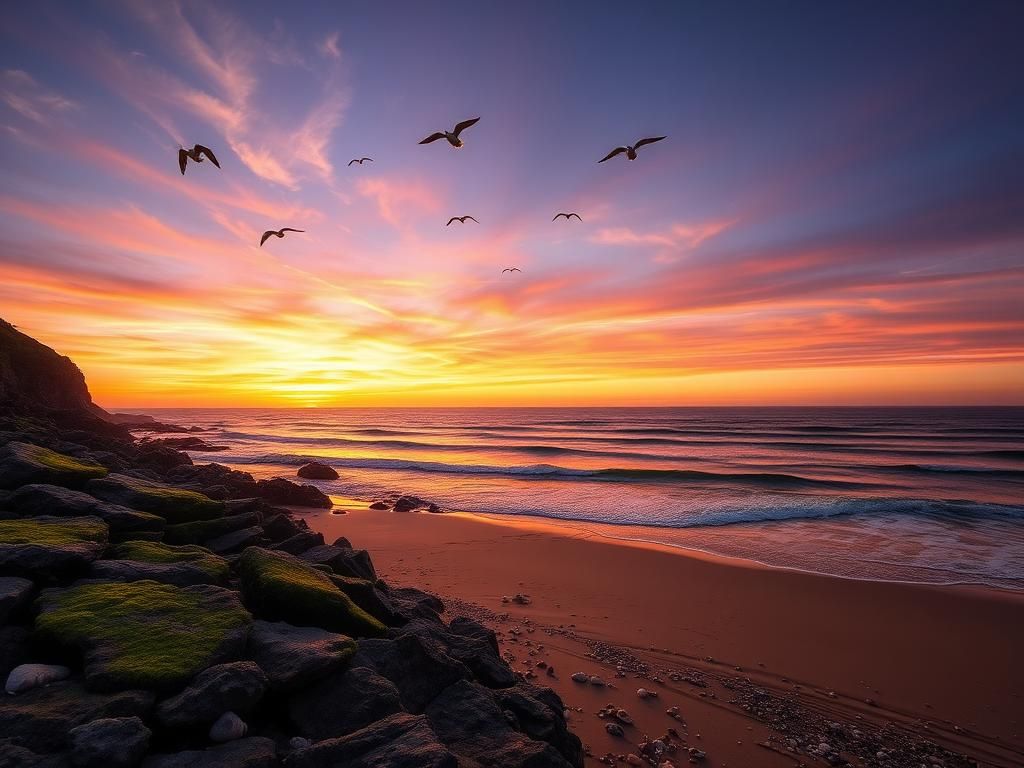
[(460, 219), (360, 160), (630, 150), (278, 233), (511, 269), (567, 216), (195, 155), (453, 136)]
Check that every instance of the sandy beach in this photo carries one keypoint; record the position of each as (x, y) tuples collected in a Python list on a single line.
[(939, 663)]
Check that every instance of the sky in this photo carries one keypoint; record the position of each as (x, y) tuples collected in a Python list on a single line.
[(836, 216)]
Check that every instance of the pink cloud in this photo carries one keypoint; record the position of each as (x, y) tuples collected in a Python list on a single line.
[(396, 199)]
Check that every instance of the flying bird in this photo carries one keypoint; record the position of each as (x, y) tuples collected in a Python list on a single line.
[(630, 150), (360, 160), (511, 269), (460, 219), (195, 155), (567, 216), (278, 233), (453, 136)]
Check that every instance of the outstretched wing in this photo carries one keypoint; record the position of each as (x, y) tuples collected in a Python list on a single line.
[(505, 270), (470, 218), (355, 161), (266, 234), (460, 127), (647, 141), (182, 160), (560, 214), (365, 158), (515, 269), (573, 214), (453, 218), (432, 137), (613, 153), (289, 229), (206, 151)]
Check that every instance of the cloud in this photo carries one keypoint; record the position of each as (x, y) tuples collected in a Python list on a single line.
[(676, 238), (22, 93), (397, 199), (329, 47)]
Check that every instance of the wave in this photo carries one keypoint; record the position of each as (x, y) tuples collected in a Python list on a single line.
[(960, 470)]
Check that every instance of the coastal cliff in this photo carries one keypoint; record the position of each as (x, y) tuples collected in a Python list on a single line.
[(162, 613)]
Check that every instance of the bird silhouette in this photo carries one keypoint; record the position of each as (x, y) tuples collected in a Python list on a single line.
[(511, 269), (461, 219), (278, 233), (567, 216), (360, 160), (195, 155), (453, 136), (630, 150)]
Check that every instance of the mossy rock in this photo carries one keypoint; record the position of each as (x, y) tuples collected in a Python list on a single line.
[(143, 634), (163, 554), (279, 587), (24, 463), (367, 596), (203, 530), (44, 547), (175, 505)]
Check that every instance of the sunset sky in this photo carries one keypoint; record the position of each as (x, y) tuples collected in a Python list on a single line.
[(836, 216)]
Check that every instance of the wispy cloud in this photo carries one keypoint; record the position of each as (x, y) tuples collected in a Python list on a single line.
[(26, 96)]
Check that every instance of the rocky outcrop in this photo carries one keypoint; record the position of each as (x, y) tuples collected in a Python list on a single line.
[(44, 547), (281, 491), (236, 687), (33, 376), (295, 657), (24, 463), (317, 471), (109, 742), (400, 741)]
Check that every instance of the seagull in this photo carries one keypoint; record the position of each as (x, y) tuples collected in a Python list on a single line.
[(453, 137), (278, 233), (511, 269), (195, 155), (360, 160), (630, 150), (460, 219), (567, 216)]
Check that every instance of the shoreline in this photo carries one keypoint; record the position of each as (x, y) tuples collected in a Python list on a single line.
[(936, 659)]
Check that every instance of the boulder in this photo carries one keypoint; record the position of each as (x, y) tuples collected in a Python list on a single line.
[(253, 752), (293, 657), (300, 542), (236, 687), (419, 669), (156, 553), (24, 463), (240, 485), (412, 603), (469, 642), (540, 714), (45, 547), (343, 703), (317, 471), (143, 634), (280, 527), (109, 742), (12, 756), (14, 594), (400, 741), (55, 501), (279, 587), (409, 503), (228, 727), (25, 677), (380, 505), (236, 541), (343, 561), (204, 530), (281, 491), (178, 574), (175, 505), (369, 597), (41, 719)]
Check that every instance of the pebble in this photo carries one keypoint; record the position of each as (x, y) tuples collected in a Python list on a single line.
[(623, 716), (28, 676), (228, 727), (595, 680), (643, 693), (615, 730), (633, 759), (551, 671), (580, 677), (673, 712), (299, 742), (696, 754)]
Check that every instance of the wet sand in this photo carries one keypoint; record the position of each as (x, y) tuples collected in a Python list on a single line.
[(943, 663)]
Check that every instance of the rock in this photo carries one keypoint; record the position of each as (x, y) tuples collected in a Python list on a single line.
[(380, 505), (28, 676), (595, 680), (143, 634), (614, 729), (317, 471), (175, 505), (12, 756), (580, 677), (33, 376), (412, 603), (623, 717), (203, 530), (343, 703), (178, 574), (280, 527), (253, 752), (300, 542), (696, 754), (469, 642), (399, 741), (419, 669), (408, 504), (24, 463), (281, 491), (236, 686), (55, 501), (343, 561), (644, 693), (240, 485), (109, 742), (279, 587), (541, 715), (190, 443), (44, 547), (369, 597), (228, 727), (293, 657), (14, 593), (298, 742), (236, 541), (41, 719), (155, 553)]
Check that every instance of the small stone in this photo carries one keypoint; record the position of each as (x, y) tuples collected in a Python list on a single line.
[(109, 742), (615, 729), (580, 677), (595, 680), (643, 693), (298, 742), (633, 759), (28, 676), (623, 716), (228, 727), (673, 712), (551, 671), (696, 754)]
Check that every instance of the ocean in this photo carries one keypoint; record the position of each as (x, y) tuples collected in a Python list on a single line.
[(930, 495)]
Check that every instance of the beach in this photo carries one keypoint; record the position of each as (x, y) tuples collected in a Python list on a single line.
[(940, 662)]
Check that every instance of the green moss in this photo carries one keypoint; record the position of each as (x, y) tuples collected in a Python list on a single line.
[(52, 533), (175, 505), (283, 588), (141, 634), (61, 463), (154, 552)]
